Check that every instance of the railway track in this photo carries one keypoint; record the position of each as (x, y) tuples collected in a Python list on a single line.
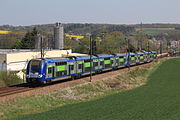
[(5, 91)]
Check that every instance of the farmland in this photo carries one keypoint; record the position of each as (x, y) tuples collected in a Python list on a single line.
[(158, 99)]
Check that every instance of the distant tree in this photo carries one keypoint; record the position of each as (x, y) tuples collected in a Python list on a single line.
[(141, 41), (132, 48), (111, 43), (28, 42), (18, 44), (70, 43), (83, 46), (8, 41)]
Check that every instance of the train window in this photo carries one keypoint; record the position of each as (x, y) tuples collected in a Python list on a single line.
[(71, 67), (121, 57), (117, 61), (88, 60), (49, 70), (61, 73), (108, 58), (102, 63), (60, 63), (79, 66), (95, 63), (58, 74), (34, 66)]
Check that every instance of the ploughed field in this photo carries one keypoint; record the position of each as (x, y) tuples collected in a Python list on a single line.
[(159, 99)]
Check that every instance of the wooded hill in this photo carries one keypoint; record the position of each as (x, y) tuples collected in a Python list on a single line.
[(78, 28), (74, 28)]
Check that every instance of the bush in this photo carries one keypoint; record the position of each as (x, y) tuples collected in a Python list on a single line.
[(8, 78)]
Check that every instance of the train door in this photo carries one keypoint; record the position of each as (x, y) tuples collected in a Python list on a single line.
[(141, 58), (50, 71), (101, 63), (107, 62), (72, 69), (87, 65), (132, 60), (113, 62), (137, 58), (80, 66), (117, 61), (95, 64), (148, 57), (121, 60), (145, 57)]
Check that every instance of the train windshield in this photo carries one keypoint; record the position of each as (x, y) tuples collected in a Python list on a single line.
[(34, 66)]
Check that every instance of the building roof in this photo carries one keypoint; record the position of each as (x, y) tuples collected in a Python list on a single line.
[(7, 51)]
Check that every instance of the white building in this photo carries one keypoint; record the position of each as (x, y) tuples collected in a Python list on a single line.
[(16, 60)]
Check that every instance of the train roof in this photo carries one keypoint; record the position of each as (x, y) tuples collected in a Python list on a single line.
[(132, 53), (140, 53), (85, 57), (105, 55), (154, 52), (56, 59), (121, 54)]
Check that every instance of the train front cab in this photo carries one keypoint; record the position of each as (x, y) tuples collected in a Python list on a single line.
[(35, 71)]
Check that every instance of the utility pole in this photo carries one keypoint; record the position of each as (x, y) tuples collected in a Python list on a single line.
[(128, 52), (160, 47), (148, 45), (167, 46), (91, 46), (42, 51), (141, 35)]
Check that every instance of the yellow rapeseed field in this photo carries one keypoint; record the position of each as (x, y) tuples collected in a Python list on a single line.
[(4, 32)]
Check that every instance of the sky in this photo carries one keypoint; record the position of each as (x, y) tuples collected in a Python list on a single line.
[(32, 12)]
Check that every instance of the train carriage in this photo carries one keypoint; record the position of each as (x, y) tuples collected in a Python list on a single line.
[(107, 61), (86, 62), (121, 60), (51, 69)]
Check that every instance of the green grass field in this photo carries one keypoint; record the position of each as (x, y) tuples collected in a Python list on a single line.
[(159, 99)]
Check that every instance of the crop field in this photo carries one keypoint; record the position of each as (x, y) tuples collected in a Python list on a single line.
[(155, 31), (158, 99)]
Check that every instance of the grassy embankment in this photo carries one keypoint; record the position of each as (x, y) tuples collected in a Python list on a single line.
[(158, 99), (74, 100)]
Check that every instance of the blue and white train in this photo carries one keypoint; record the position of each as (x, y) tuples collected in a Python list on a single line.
[(52, 69)]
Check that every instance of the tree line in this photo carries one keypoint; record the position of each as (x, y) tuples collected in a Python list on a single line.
[(109, 38)]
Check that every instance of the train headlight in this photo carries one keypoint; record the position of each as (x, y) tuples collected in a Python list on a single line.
[(27, 76), (40, 76)]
